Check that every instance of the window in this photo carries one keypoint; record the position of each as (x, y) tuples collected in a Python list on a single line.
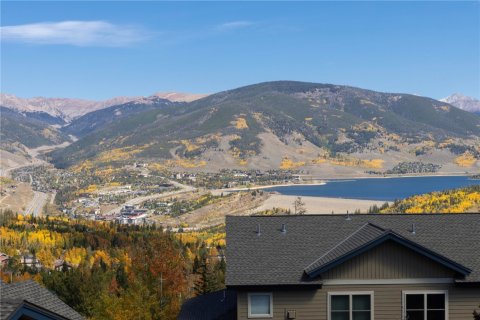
[(350, 305), (260, 305), (425, 305)]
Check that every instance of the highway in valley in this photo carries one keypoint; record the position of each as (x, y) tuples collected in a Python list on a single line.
[(138, 200), (36, 205)]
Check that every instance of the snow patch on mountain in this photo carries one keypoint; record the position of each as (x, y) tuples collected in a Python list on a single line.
[(463, 102)]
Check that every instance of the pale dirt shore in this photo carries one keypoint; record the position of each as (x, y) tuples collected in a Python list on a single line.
[(217, 192), (319, 205)]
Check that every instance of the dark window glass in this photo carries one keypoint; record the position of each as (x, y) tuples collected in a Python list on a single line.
[(436, 301), (415, 315), (359, 307), (436, 315), (343, 315), (415, 301), (361, 315), (361, 302), (340, 303)]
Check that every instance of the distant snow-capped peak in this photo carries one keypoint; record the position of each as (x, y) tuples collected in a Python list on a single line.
[(463, 102)]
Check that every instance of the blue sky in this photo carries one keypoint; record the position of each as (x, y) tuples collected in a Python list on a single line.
[(99, 50)]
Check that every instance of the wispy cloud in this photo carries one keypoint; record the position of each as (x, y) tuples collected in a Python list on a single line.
[(232, 25), (76, 33)]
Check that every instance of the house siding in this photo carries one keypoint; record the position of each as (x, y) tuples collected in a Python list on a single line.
[(312, 303), (389, 261)]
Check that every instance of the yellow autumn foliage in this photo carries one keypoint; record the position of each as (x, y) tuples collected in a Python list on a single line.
[(241, 123), (86, 165), (75, 255), (189, 146), (186, 163), (451, 201), (211, 239), (290, 164), (103, 256), (351, 162), (373, 164), (443, 108), (90, 189), (365, 126), (157, 166), (118, 154), (23, 239), (465, 160)]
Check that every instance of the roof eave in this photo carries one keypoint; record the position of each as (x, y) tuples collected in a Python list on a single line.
[(275, 285)]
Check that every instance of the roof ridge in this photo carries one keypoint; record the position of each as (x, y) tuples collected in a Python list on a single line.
[(363, 214), (348, 238)]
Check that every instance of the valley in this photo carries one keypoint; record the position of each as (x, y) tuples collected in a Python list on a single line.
[(174, 163)]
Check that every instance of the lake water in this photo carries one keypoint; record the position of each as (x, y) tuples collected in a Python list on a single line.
[(385, 189)]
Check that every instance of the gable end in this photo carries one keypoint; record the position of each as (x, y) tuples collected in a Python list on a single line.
[(390, 236)]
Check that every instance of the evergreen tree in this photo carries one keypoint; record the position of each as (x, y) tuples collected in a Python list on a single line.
[(196, 265)]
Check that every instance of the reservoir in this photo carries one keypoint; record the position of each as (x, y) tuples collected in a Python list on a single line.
[(385, 189)]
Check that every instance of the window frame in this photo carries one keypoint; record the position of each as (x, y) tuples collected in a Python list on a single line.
[(250, 315), (425, 294), (350, 294)]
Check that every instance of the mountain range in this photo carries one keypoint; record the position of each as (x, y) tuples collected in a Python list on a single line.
[(37, 121), (67, 109), (262, 125)]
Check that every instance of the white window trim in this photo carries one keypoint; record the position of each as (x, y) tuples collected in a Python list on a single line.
[(250, 315), (350, 294), (424, 292)]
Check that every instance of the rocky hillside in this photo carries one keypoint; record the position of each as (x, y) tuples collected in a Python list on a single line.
[(64, 109), (284, 124), (100, 119), (31, 131)]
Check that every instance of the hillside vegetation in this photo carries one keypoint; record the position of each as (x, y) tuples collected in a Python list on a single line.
[(325, 119), (450, 201), (98, 120), (144, 272)]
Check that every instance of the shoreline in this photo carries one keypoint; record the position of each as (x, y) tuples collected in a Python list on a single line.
[(408, 175), (259, 187), (319, 205)]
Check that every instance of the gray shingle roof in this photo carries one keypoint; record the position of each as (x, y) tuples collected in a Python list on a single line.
[(367, 233), (276, 258), (218, 305), (13, 295)]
